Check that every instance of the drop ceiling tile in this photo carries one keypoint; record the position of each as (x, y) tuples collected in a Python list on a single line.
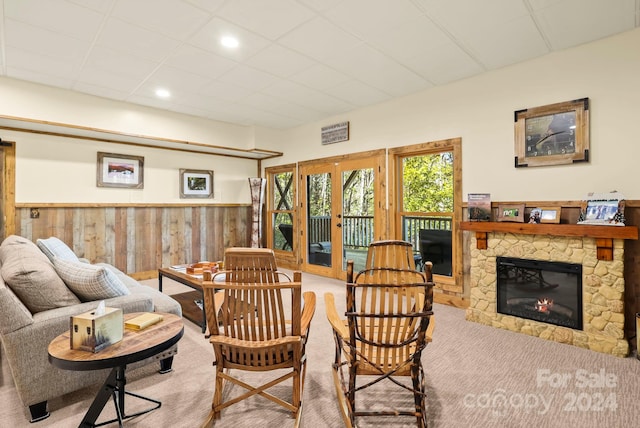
[(358, 94), (225, 91), (121, 63), (44, 42), (70, 19), (270, 19), (308, 97), (199, 61), (121, 35), (175, 19), (100, 91), (378, 70), (366, 17), (321, 5), (173, 80), (507, 43), (443, 64), (101, 6), (208, 38), (319, 76), (35, 63), (280, 107), (43, 78), (248, 77), (99, 77), (598, 19), (280, 61), (208, 5), (319, 39)]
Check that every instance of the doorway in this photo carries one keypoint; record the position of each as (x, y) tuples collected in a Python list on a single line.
[(342, 209)]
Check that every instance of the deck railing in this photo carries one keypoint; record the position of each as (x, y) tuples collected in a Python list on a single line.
[(358, 230)]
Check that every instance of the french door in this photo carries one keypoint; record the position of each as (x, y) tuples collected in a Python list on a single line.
[(342, 209)]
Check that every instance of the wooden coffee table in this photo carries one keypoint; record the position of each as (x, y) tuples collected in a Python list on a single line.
[(187, 300), (136, 345)]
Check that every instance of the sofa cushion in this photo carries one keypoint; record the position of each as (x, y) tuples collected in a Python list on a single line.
[(89, 282), (32, 277), (54, 247)]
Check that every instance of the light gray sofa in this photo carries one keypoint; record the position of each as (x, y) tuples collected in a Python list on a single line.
[(36, 305)]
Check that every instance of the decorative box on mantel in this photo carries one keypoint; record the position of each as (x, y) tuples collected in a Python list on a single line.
[(598, 249)]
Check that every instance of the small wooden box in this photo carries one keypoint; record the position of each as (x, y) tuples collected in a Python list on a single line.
[(94, 333)]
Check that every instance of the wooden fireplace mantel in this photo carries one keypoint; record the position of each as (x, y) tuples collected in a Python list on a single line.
[(604, 235)]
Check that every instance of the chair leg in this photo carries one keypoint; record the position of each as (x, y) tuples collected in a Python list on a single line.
[(217, 395), (419, 395), (38, 412)]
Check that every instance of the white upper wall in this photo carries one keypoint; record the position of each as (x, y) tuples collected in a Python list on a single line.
[(481, 109), (58, 170)]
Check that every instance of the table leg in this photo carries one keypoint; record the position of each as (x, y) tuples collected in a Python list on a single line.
[(160, 282), (114, 387)]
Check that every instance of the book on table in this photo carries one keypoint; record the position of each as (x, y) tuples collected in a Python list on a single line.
[(143, 321)]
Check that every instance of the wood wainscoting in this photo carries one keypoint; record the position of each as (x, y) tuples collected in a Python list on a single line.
[(138, 239)]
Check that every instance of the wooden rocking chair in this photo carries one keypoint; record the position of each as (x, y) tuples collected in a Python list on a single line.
[(254, 330), (389, 322)]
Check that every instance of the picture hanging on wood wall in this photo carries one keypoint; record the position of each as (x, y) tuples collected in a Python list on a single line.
[(554, 134), (196, 183), (116, 170)]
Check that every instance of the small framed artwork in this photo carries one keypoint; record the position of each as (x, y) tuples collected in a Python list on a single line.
[(116, 170), (545, 215), (554, 134), (196, 183), (511, 212)]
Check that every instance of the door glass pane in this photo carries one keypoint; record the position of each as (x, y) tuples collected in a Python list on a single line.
[(357, 215), (283, 211), (319, 219), (427, 194)]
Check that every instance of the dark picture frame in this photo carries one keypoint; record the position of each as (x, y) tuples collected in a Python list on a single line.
[(196, 183), (555, 134), (118, 170)]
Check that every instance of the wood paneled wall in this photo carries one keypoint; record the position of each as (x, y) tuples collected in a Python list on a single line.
[(140, 239)]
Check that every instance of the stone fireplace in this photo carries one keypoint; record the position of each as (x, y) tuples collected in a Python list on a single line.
[(602, 284)]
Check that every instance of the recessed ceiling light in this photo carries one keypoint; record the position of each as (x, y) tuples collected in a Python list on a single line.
[(229, 42), (162, 93)]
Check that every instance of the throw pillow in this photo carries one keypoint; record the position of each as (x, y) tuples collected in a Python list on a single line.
[(54, 247), (89, 282), (31, 276)]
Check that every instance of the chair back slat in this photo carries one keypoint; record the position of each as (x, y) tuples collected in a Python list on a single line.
[(386, 303), (253, 307)]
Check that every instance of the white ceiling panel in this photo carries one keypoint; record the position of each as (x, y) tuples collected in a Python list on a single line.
[(280, 61), (59, 16), (208, 38), (121, 35), (270, 19), (298, 60), (197, 61)]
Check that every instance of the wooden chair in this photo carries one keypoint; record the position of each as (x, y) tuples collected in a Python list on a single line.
[(389, 322), (256, 330)]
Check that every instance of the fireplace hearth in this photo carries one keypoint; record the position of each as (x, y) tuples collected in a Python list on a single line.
[(544, 291)]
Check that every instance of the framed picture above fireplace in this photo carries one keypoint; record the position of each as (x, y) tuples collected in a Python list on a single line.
[(553, 134)]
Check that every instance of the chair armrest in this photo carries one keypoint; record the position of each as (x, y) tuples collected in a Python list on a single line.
[(332, 315), (307, 311)]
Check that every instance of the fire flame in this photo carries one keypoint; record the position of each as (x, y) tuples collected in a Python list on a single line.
[(544, 304)]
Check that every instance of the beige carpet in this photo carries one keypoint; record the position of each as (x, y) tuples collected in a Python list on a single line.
[(477, 376)]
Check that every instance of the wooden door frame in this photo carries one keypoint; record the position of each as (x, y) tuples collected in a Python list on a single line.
[(8, 190), (454, 284), (287, 259), (342, 162)]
